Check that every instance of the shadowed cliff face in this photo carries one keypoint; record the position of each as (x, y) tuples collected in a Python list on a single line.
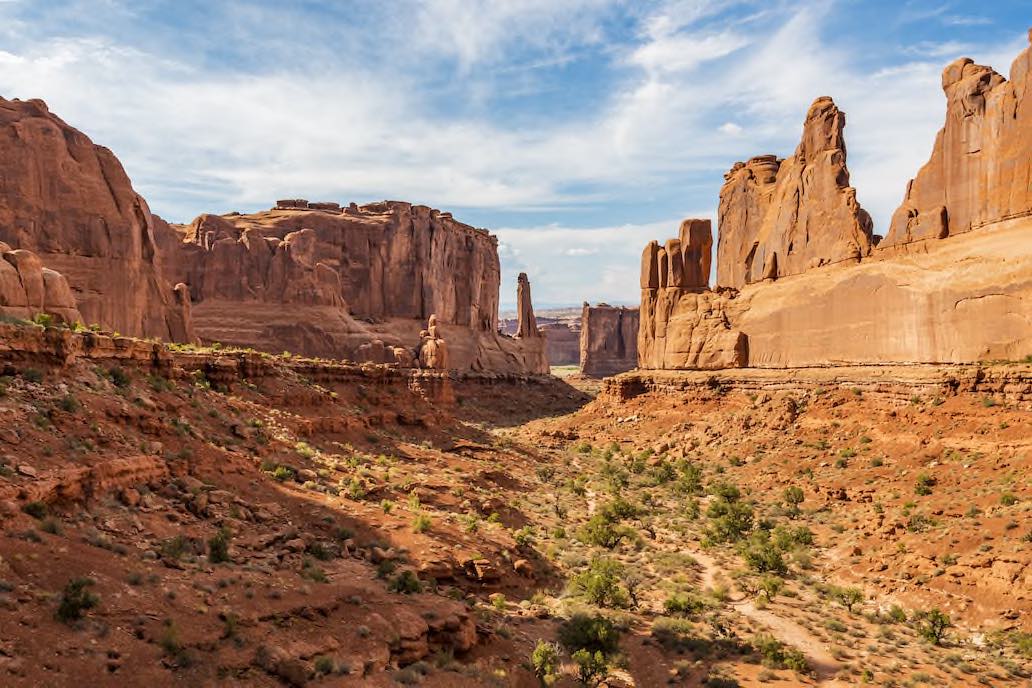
[(609, 340), (70, 202), (979, 170), (782, 217)]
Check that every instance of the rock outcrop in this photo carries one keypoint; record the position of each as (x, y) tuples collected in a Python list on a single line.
[(358, 283), (609, 340), (70, 202), (782, 217), (526, 324), (965, 299), (28, 289), (978, 173)]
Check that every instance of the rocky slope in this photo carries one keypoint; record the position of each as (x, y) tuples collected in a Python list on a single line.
[(925, 296)]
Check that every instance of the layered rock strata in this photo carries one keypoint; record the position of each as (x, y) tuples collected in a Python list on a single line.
[(979, 171), (609, 340), (70, 202), (782, 217)]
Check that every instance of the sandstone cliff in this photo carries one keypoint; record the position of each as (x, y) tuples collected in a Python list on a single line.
[(71, 203), (965, 299), (782, 217), (609, 340), (979, 170), (28, 289), (359, 283)]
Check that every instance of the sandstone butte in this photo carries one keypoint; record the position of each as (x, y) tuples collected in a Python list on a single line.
[(360, 282), (608, 339), (803, 281)]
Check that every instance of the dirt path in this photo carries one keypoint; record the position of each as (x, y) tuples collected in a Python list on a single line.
[(787, 631)]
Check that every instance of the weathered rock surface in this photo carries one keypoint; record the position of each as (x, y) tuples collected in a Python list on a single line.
[(71, 203), (562, 342), (782, 217), (920, 300), (526, 324), (609, 340), (979, 170), (359, 284), (28, 289)]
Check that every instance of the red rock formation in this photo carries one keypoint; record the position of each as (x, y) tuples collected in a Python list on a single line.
[(780, 218), (28, 289), (562, 343), (978, 173), (609, 340), (70, 202), (526, 325), (965, 299)]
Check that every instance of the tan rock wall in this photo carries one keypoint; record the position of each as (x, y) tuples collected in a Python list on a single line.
[(979, 171), (608, 340)]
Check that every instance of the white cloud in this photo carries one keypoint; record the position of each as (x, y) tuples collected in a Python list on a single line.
[(730, 128)]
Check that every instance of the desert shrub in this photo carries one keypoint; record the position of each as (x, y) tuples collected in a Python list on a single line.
[(421, 523), (406, 583), (793, 496), (324, 665), (762, 555), (777, 656), (283, 473), (32, 375), (932, 625), (218, 546), (37, 510), (683, 604), (546, 660), (690, 480), (600, 583), (591, 668), (602, 531), (924, 484), (848, 597), (729, 519), (592, 632), (1008, 499), (118, 376), (75, 599)]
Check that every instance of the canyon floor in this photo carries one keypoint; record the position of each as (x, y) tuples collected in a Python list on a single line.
[(203, 517)]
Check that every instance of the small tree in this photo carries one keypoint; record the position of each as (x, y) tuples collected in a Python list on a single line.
[(770, 586), (545, 660), (218, 547), (933, 624), (849, 597), (591, 668), (600, 583)]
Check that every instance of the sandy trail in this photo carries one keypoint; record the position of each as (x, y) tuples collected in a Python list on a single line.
[(787, 631)]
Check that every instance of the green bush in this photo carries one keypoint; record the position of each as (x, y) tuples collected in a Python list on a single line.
[(591, 668), (546, 660), (848, 597), (793, 496), (406, 583), (592, 632), (75, 599), (932, 625), (683, 604), (762, 555), (600, 583), (730, 520), (218, 546), (37, 510)]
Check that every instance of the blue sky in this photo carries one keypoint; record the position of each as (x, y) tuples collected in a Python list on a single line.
[(576, 130)]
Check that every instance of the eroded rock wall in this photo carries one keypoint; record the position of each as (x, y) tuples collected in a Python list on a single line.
[(934, 292), (70, 202), (783, 217), (979, 171), (608, 340)]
